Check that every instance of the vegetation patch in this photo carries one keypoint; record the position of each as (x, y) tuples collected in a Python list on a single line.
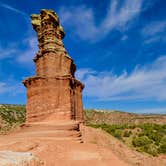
[(148, 138), (11, 116)]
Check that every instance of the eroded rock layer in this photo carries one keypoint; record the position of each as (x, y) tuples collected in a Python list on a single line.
[(54, 93)]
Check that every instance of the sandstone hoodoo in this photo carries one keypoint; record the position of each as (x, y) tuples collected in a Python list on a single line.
[(54, 93)]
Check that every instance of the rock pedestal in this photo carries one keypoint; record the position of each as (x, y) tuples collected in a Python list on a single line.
[(54, 93)]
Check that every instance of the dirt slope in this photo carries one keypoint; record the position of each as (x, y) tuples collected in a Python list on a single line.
[(99, 149), (62, 151)]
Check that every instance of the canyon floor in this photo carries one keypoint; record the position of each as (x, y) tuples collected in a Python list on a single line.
[(59, 146)]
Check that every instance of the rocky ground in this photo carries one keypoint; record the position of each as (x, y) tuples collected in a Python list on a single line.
[(63, 148), (8, 158)]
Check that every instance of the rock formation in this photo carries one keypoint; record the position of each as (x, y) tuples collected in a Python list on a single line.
[(54, 93), (10, 158)]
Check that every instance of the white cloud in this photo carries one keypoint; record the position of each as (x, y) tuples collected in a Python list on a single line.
[(7, 52), (153, 39), (3, 87), (12, 87), (154, 28), (154, 32), (82, 73), (117, 18), (13, 50), (144, 83), (21, 56), (81, 19), (25, 57)]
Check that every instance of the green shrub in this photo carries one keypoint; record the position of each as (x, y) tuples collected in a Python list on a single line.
[(132, 126), (150, 149), (127, 133), (162, 148), (117, 134), (156, 137), (163, 140), (115, 130), (151, 138), (141, 134), (141, 141)]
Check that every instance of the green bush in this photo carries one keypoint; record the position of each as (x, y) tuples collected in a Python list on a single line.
[(141, 141), (115, 130), (163, 140), (132, 126), (155, 136), (151, 138), (150, 149), (162, 148), (117, 134), (127, 133), (141, 134)]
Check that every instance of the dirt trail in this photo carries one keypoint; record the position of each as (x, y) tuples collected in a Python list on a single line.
[(57, 149)]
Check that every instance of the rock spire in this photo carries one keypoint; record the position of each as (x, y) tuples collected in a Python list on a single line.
[(54, 93)]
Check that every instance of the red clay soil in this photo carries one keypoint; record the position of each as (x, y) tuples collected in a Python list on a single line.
[(63, 148)]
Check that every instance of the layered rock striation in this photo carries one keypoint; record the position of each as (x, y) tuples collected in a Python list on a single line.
[(54, 93)]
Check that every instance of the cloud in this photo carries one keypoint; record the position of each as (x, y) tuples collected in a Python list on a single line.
[(6, 6), (7, 52), (12, 87), (117, 18), (26, 56), (3, 87), (81, 19), (82, 73), (22, 56), (154, 32), (23, 51), (124, 38), (154, 28), (144, 83), (153, 39)]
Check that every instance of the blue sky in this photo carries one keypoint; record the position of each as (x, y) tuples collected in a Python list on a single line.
[(117, 45)]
